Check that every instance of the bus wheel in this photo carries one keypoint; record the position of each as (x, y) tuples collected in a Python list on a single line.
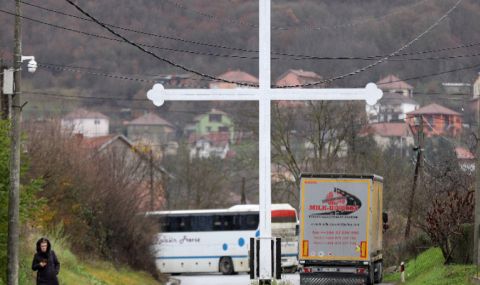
[(226, 265)]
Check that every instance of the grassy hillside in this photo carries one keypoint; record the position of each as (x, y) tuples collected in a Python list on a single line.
[(428, 268), (75, 271)]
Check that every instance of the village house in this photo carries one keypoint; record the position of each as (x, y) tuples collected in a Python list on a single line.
[(294, 77), (466, 159), (214, 121), (437, 120), (393, 84), (85, 122), (385, 135), (152, 130), (392, 108), (396, 101), (210, 145)]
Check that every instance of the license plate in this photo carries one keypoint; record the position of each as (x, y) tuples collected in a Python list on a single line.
[(329, 269)]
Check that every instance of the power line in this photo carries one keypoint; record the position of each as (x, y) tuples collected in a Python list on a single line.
[(144, 45), (152, 53), (279, 28), (295, 56), (144, 33), (329, 80), (126, 99), (99, 72), (434, 74), (70, 68), (381, 60)]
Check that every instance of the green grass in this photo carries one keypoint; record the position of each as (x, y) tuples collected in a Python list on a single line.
[(428, 268), (74, 271)]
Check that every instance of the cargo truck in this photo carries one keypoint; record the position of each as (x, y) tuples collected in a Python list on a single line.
[(341, 229)]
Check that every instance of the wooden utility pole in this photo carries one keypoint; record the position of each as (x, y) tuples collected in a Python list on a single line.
[(476, 255), (418, 167), (14, 193)]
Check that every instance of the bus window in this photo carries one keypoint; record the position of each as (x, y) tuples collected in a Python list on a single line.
[(178, 224), (246, 222), (202, 223), (227, 222)]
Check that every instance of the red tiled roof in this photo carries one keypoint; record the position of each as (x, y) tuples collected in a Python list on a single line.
[(388, 129), (434, 109), (239, 76), (392, 82), (463, 153), (82, 113), (150, 119), (301, 77)]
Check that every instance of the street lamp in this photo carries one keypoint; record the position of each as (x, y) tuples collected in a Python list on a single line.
[(32, 64), (8, 85)]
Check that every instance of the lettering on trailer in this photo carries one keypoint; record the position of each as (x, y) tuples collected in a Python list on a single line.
[(171, 240), (337, 202)]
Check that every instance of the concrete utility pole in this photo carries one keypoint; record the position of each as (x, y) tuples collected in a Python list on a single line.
[(14, 193), (476, 228), (418, 167)]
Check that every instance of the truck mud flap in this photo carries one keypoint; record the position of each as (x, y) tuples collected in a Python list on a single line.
[(331, 279)]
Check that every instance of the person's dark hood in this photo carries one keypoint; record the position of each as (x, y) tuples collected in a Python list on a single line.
[(39, 250)]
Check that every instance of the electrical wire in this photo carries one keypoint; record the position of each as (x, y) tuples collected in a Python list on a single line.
[(289, 28), (287, 86), (294, 56), (433, 74), (140, 44), (122, 77), (153, 54), (144, 33), (370, 66)]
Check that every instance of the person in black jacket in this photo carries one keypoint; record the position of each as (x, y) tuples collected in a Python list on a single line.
[(46, 264)]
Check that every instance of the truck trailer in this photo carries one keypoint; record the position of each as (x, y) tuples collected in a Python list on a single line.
[(341, 229)]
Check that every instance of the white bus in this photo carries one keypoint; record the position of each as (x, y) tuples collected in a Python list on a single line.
[(218, 240)]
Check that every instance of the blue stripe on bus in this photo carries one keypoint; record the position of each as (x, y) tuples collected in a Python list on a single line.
[(204, 257), (190, 257)]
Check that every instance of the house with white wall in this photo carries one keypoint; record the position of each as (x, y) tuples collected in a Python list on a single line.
[(85, 122)]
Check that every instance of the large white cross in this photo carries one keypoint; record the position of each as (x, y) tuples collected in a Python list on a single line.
[(264, 95)]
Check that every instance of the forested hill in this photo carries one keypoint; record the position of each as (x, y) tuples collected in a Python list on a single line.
[(324, 28)]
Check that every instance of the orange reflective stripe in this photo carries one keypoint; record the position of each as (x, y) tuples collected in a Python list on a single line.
[(363, 249), (305, 248)]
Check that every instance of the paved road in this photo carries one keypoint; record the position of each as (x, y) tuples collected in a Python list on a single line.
[(240, 279)]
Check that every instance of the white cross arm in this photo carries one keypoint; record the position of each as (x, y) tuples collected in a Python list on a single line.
[(158, 94)]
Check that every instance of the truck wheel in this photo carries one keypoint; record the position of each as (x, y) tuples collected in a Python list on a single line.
[(371, 275), (226, 266), (378, 272)]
